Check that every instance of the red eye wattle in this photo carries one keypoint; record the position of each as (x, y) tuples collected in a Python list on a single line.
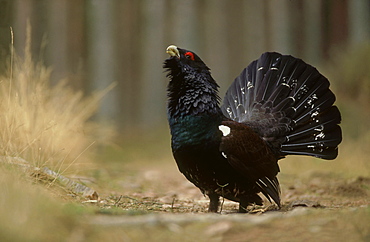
[(189, 55)]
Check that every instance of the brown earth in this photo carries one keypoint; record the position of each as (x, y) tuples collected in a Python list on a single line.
[(156, 201)]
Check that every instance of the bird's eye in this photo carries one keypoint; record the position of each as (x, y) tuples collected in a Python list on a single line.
[(189, 55)]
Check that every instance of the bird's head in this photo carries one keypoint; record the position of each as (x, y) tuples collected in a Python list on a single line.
[(191, 89), (184, 62)]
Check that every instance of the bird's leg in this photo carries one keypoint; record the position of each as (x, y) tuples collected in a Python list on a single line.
[(213, 203), (243, 205)]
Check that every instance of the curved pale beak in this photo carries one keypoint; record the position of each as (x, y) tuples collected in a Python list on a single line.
[(173, 51)]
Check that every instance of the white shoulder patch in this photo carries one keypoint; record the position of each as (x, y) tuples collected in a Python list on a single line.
[(224, 129), (224, 155)]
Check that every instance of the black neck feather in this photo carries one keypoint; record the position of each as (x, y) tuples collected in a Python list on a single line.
[(192, 94)]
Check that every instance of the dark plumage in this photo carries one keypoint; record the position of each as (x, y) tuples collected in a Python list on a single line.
[(277, 106)]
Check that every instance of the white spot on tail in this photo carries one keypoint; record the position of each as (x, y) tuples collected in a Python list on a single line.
[(262, 182), (224, 155), (224, 129), (249, 85)]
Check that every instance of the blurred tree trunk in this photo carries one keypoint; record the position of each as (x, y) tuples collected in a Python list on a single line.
[(22, 14), (312, 30), (335, 25), (339, 23), (215, 35), (5, 36), (279, 28), (150, 98), (76, 44), (183, 29), (101, 55), (359, 21), (127, 12), (255, 34), (57, 35), (236, 41), (32, 12)]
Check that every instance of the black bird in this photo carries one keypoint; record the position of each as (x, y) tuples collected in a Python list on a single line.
[(277, 106)]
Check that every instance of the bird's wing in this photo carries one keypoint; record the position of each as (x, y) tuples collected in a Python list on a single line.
[(248, 154), (288, 103)]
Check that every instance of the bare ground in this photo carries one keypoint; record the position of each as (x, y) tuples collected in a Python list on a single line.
[(149, 199), (156, 201)]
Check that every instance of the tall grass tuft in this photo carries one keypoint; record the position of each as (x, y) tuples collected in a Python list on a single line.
[(46, 125)]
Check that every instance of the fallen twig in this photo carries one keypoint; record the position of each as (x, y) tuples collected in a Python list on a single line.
[(49, 174)]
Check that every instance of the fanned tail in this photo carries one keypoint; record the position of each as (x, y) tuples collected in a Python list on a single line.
[(289, 104)]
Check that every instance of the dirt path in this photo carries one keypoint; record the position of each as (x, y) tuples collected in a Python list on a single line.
[(158, 203)]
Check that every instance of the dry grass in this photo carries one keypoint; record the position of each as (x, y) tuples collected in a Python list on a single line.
[(46, 125), (49, 127)]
